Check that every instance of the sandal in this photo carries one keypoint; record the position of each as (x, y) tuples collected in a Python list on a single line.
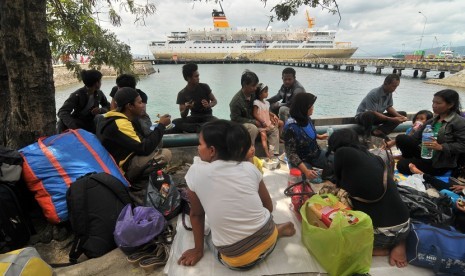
[(160, 258), (146, 252)]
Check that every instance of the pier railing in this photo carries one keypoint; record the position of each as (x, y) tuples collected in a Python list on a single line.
[(346, 64)]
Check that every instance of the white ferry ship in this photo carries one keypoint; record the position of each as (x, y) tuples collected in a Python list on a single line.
[(224, 42)]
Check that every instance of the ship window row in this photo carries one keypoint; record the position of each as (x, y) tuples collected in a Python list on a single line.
[(289, 41), (317, 46), (319, 42), (253, 47), (209, 47), (323, 33), (216, 41), (286, 46)]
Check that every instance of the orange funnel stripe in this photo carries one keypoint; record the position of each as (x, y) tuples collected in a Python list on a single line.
[(220, 22)]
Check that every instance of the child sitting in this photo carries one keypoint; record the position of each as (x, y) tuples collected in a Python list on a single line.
[(261, 113), (254, 159), (232, 194), (418, 121)]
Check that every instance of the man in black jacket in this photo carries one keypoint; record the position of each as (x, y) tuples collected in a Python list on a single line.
[(79, 110)]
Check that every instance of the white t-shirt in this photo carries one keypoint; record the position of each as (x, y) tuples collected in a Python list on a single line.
[(228, 192)]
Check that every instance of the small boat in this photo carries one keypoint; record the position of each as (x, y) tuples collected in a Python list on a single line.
[(445, 52)]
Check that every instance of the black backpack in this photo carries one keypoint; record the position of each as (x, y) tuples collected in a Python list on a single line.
[(14, 225), (10, 165), (94, 204)]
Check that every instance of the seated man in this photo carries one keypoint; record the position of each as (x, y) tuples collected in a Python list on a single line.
[(370, 111), (131, 150), (288, 90), (79, 110), (241, 108), (127, 80), (196, 97)]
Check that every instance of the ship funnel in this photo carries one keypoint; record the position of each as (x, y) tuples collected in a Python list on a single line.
[(219, 19)]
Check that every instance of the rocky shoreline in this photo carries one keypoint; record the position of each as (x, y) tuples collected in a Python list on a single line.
[(63, 76), (455, 80)]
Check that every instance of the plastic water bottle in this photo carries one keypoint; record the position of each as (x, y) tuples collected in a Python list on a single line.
[(426, 153), (329, 131)]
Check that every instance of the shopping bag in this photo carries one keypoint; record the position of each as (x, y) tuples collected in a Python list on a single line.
[(346, 246)]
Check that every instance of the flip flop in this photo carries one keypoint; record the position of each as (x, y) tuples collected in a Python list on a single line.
[(159, 259), (146, 252)]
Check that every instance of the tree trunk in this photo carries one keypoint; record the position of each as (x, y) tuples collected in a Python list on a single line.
[(27, 92)]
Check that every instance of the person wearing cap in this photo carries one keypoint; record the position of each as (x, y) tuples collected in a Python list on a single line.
[(132, 151), (196, 97), (269, 123), (79, 110), (127, 80), (281, 102)]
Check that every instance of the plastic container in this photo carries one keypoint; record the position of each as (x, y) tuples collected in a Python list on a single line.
[(318, 179), (426, 153), (329, 131), (295, 176)]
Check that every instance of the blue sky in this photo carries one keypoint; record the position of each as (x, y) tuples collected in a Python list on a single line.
[(375, 27)]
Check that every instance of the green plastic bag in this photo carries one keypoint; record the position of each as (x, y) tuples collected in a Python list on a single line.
[(343, 248)]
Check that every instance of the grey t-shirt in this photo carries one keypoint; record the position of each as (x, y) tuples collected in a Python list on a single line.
[(375, 100)]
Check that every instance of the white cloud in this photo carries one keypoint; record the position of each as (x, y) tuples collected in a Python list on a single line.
[(376, 27)]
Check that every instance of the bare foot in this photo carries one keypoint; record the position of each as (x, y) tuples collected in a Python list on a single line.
[(380, 252), (414, 169), (398, 257), (285, 229)]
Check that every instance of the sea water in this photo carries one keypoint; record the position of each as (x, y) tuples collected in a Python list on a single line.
[(338, 92)]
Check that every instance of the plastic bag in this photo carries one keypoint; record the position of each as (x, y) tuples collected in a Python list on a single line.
[(138, 226), (346, 247), (414, 181)]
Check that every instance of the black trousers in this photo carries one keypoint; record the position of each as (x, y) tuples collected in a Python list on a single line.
[(411, 153), (368, 119), (190, 124)]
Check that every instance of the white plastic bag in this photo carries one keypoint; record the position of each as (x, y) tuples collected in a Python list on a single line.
[(414, 181)]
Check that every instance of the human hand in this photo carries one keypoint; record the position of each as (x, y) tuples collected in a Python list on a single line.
[(274, 119), (399, 119), (433, 144), (460, 204), (205, 103), (324, 136), (389, 144), (457, 188), (189, 104), (94, 111), (311, 174), (190, 257), (165, 120)]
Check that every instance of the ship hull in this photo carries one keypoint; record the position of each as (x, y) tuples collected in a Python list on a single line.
[(273, 54)]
